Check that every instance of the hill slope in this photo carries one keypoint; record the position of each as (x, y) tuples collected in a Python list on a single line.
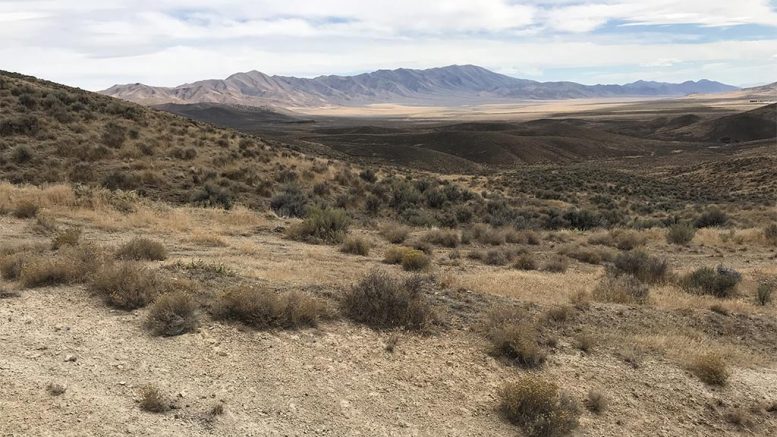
[(447, 85)]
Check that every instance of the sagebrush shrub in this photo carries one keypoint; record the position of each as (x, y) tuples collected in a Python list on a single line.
[(711, 368), (770, 233), (764, 293), (514, 337), (68, 237), (646, 268), (680, 233), (266, 309), (623, 289), (415, 260), (71, 264), (321, 226), (152, 400), (172, 314), (719, 282), (539, 407), (25, 209), (382, 301), (356, 246), (139, 249), (127, 286), (526, 262), (557, 264), (446, 238), (711, 218), (395, 233)]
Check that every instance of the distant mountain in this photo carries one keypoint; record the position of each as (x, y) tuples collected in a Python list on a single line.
[(455, 84)]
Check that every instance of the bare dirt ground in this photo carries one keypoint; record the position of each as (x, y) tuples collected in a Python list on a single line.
[(338, 378)]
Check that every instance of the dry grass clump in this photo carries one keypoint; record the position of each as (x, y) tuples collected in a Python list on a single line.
[(680, 233), (719, 282), (710, 367), (589, 255), (321, 226), (539, 407), (623, 289), (526, 262), (68, 237), (514, 337), (71, 264), (395, 233), (622, 239), (596, 402), (266, 309), (139, 249), (127, 285), (356, 246), (445, 238), (646, 268), (557, 264), (152, 400), (382, 301), (25, 210), (172, 314)]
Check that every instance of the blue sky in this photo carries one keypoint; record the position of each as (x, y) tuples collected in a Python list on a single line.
[(94, 44)]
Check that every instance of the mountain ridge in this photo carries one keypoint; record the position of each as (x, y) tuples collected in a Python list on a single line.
[(453, 84)]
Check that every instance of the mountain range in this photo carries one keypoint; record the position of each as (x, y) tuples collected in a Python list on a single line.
[(455, 84)]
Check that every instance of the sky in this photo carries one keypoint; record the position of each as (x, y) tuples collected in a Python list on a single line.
[(94, 44)]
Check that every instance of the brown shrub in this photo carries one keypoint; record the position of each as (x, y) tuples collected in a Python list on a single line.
[(69, 265), (710, 367), (127, 285), (266, 309), (589, 255), (139, 249), (25, 210), (356, 246), (538, 407), (153, 401), (596, 402), (172, 314), (68, 237), (623, 289), (395, 233), (445, 238), (526, 262), (512, 336), (382, 301), (557, 264)]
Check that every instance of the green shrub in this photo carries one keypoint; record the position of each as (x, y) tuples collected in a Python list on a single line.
[(140, 248), (321, 226), (415, 260), (711, 218), (172, 314), (265, 309), (764, 293), (538, 407), (356, 246), (680, 233), (291, 202), (646, 268), (382, 301), (719, 282)]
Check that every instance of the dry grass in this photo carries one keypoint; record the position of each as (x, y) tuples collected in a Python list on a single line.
[(127, 285), (266, 309), (538, 407), (68, 237), (71, 264), (589, 255), (382, 301), (172, 314), (139, 249)]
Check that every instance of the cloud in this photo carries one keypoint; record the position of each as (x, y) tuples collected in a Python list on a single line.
[(97, 43)]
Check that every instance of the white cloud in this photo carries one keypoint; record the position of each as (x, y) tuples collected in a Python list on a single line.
[(95, 43)]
